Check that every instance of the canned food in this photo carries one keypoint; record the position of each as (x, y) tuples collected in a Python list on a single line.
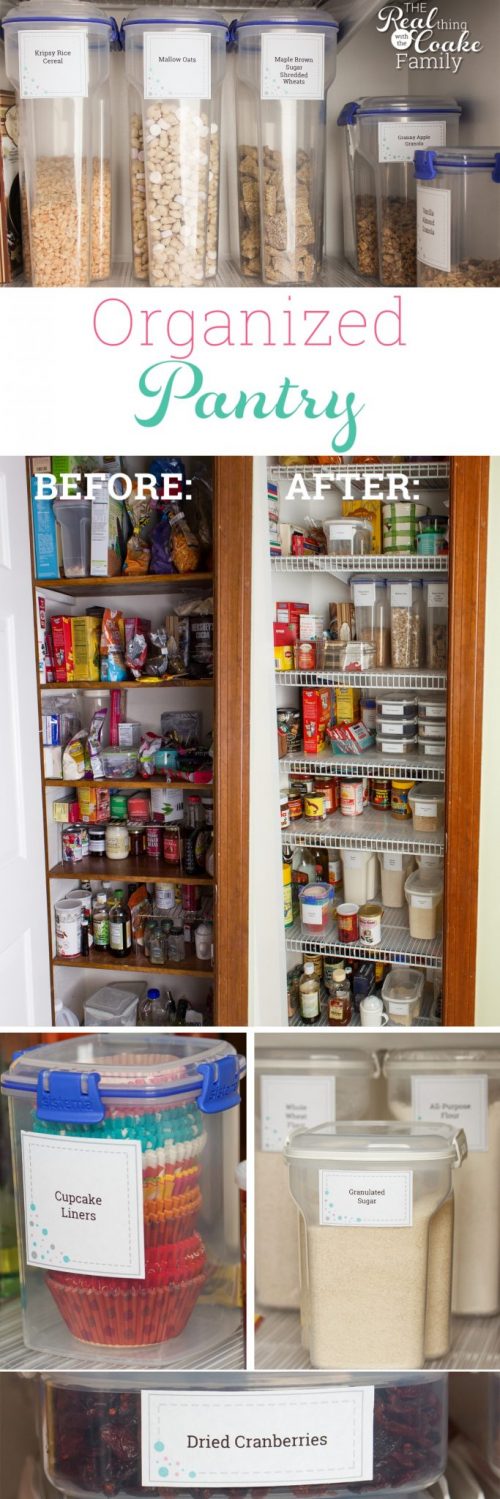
[(314, 806), (153, 840), (351, 798), (295, 807), (75, 843), (306, 655), (284, 811), (370, 924), (348, 923)]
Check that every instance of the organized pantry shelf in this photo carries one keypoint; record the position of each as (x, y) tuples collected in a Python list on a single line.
[(386, 565), (373, 765), (433, 475), (396, 944), (379, 831), (411, 681), (475, 1343)]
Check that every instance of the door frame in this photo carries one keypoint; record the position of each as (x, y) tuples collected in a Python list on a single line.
[(469, 496), (233, 600)]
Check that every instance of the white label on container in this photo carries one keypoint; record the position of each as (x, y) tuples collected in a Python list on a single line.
[(312, 915), (436, 710), (54, 64), (401, 596), (434, 227), (437, 596), (393, 861), (364, 593), (426, 809), (83, 1205), (289, 1103), (400, 1006), (366, 1199), (460, 1101), (292, 66), (246, 1437), (398, 140), (177, 66), (422, 902)]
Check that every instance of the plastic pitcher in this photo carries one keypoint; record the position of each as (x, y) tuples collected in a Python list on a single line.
[(74, 518)]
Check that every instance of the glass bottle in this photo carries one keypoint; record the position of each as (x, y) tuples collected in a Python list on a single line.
[(309, 989), (288, 912), (153, 1009), (120, 926), (194, 837), (340, 999), (100, 920)]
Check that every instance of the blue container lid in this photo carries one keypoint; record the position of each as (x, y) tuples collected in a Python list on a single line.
[(70, 1078), (164, 16), (310, 20), (316, 894), (429, 163), (397, 106)]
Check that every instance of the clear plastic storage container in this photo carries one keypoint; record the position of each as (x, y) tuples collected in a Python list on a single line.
[(407, 625), (59, 63), (436, 601), (95, 1431), (381, 137), (347, 538), (394, 870), (462, 1083), (175, 67), (316, 908), (314, 1086), (74, 519), (397, 728), (371, 606), (432, 708), (125, 1152), (458, 217), (402, 993), (359, 867), (285, 65), (368, 1263), (424, 893), (394, 705), (427, 806)]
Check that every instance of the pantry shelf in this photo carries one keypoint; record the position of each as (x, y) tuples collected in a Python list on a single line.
[(136, 963), (122, 583), (373, 830), (401, 562), (428, 681), (396, 946), (143, 784), (144, 683), (409, 767), (130, 871), (432, 476), (475, 1343)]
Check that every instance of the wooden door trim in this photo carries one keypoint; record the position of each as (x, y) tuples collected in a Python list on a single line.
[(233, 572), (469, 492)]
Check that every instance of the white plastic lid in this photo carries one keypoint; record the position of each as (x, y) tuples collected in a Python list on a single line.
[(425, 883), (348, 523), (453, 1060), (429, 791), (376, 1143)]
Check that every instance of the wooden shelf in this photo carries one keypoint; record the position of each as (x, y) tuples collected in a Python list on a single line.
[(144, 583), (136, 963), (129, 784), (128, 871), (146, 683)]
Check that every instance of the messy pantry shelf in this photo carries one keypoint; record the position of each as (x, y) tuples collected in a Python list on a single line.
[(409, 767), (385, 562), (374, 829), (396, 946), (144, 783), (132, 871), (430, 681), (432, 476), (144, 682), (475, 1343), (230, 1355), (122, 583), (136, 963)]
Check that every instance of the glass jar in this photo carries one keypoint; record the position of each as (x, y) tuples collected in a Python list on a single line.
[(137, 835), (370, 600), (176, 949), (117, 840), (407, 625), (97, 840), (458, 217)]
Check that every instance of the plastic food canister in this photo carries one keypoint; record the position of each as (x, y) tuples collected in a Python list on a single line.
[(175, 65), (311, 1088), (458, 217), (379, 190), (73, 517), (285, 65), (125, 1153), (109, 1435), (463, 1085), (371, 606), (368, 1194), (59, 65)]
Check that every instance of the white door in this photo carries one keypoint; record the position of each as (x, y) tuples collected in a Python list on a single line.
[(24, 951)]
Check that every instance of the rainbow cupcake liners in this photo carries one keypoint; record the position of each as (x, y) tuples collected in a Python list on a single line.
[(171, 1132)]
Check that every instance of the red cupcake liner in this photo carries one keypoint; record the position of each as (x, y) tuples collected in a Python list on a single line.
[(169, 1228), (127, 1317)]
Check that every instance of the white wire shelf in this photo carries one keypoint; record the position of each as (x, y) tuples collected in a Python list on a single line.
[(373, 830), (404, 562), (428, 681), (475, 1343), (396, 945), (377, 766), (430, 476), (426, 1018)]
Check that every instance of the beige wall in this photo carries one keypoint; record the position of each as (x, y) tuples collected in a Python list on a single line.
[(488, 970)]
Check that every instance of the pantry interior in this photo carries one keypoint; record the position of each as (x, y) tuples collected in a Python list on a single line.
[(367, 65), (456, 490), (303, 1083), (38, 979)]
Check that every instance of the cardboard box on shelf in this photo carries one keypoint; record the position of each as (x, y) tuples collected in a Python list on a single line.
[(86, 644), (108, 534), (367, 510), (62, 635), (316, 711)]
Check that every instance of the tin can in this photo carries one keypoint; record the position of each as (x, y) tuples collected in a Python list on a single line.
[(284, 811), (68, 927), (351, 798), (153, 840), (75, 843), (314, 806), (370, 924), (306, 655), (295, 807), (171, 835), (348, 923)]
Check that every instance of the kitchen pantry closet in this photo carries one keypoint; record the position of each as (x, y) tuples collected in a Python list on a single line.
[(161, 815), (376, 606)]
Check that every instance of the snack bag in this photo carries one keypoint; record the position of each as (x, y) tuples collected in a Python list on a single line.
[(113, 667), (76, 759)]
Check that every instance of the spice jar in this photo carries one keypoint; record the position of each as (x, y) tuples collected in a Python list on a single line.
[(368, 1194), (281, 132), (117, 840), (176, 950)]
